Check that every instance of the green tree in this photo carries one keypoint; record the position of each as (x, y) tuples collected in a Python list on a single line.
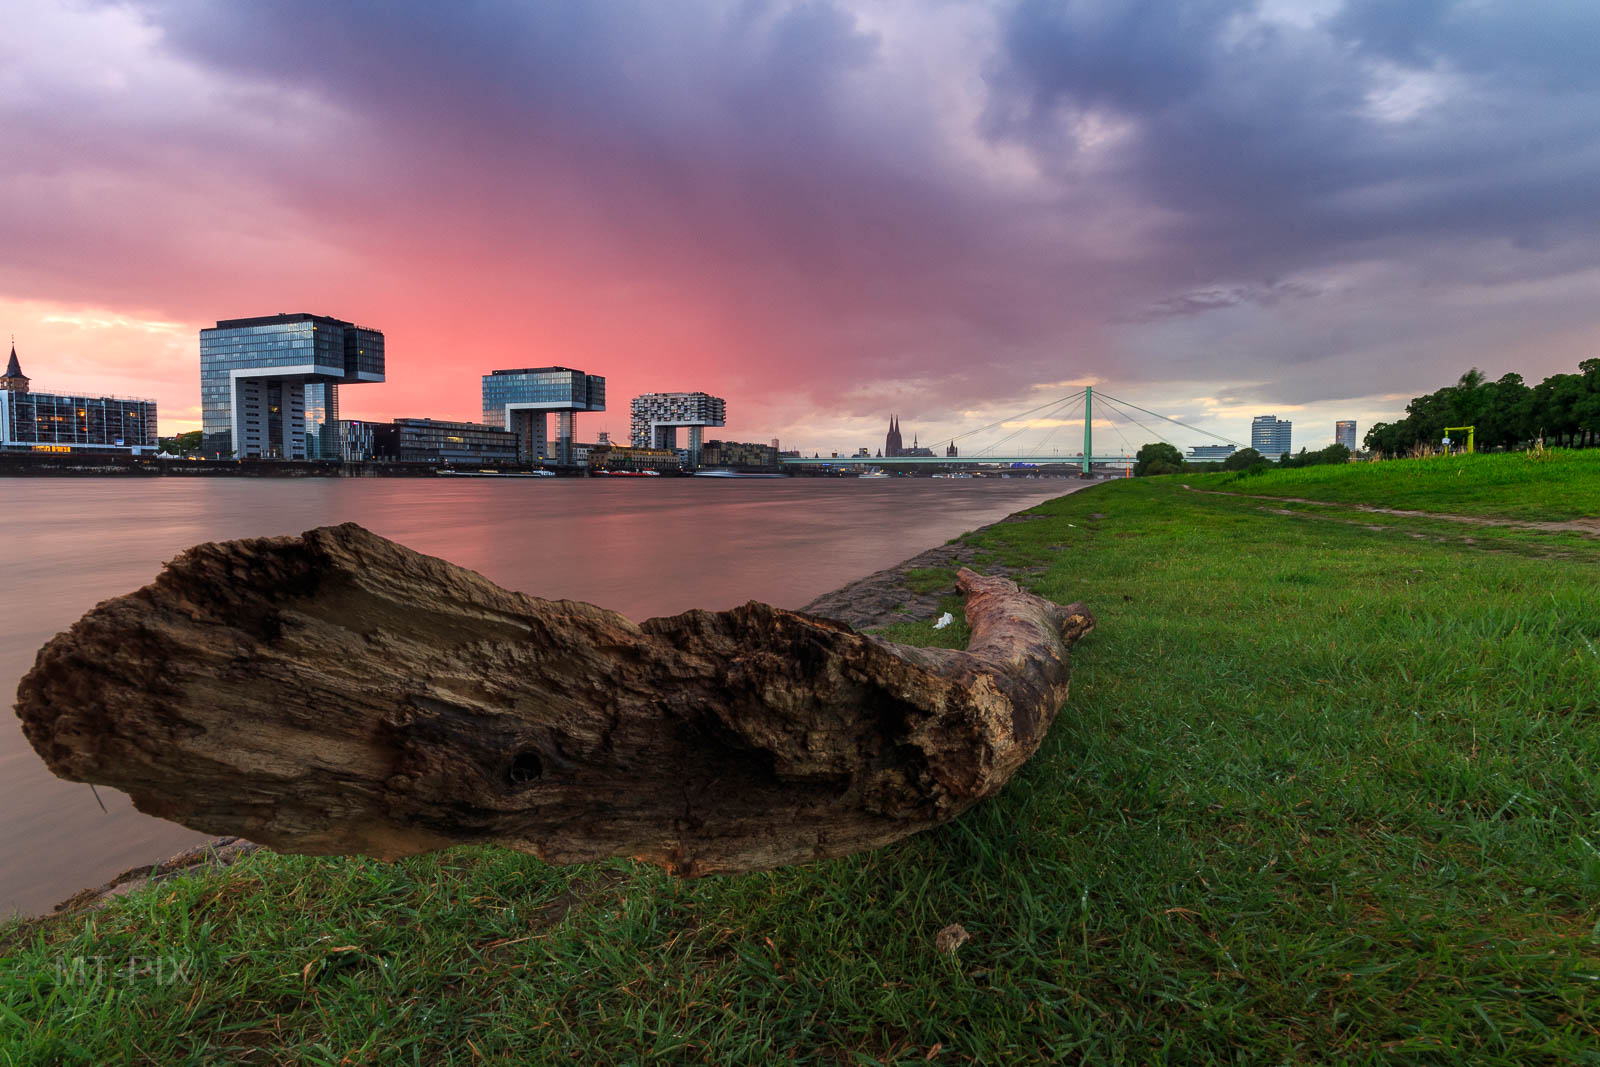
[(1504, 421), (1468, 399), (1586, 408), (1243, 459), (1334, 453), (182, 443), (1555, 408), (1564, 409), (1157, 455), (1388, 439)]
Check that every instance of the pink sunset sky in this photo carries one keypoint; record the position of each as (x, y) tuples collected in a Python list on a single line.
[(824, 212)]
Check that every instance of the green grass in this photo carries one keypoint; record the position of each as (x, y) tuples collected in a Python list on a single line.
[(930, 579), (1324, 792), (1560, 485)]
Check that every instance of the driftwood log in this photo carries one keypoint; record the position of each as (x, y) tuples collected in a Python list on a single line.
[(337, 693)]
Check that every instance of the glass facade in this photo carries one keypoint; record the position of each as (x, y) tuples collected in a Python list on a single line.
[(52, 421), (427, 441), (1271, 436), (554, 388), (355, 440), (520, 401), (269, 385), (363, 354), (322, 421)]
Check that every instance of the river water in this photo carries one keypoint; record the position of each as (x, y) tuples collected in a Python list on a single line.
[(639, 546)]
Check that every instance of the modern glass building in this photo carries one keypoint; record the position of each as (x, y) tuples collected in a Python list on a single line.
[(1209, 453), (1344, 433), (269, 386), (521, 401), (32, 421), (654, 419), (356, 440), (1271, 436), (427, 441)]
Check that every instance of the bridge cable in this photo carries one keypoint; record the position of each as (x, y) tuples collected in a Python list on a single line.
[(1125, 442), (1018, 415), (1175, 422), (1009, 418), (1061, 417), (1140, 424), (1019, 430)]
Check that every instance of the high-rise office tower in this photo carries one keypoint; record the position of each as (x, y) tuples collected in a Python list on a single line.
[(1344, 432), (269, 386), (521, 401), (1271, 436)]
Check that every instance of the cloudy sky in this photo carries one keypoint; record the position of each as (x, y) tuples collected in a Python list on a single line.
[(823, 211)]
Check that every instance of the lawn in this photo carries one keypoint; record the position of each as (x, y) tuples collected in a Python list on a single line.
[(1557, 485), (1324, 791)]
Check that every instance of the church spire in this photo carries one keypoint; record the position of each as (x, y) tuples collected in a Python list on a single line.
[(14, 379)]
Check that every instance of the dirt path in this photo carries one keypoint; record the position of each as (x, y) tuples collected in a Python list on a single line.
[(1585, 527)]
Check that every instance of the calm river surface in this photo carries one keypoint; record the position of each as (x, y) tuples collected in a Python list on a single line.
[(642, 547)]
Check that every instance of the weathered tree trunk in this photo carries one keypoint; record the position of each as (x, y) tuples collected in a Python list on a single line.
[(339, 693)]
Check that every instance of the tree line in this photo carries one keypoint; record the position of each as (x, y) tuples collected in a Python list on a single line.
[(1158, 457), (1564, 410)]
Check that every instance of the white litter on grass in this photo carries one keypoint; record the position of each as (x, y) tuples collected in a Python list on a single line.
[(944, 620)]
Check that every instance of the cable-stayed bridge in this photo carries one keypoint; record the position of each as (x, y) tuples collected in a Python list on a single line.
[(1012, 448)]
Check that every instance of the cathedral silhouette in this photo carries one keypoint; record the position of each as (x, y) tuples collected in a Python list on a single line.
[(893, 443)]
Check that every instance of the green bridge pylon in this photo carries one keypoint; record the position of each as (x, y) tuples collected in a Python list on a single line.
[(1088, 427)]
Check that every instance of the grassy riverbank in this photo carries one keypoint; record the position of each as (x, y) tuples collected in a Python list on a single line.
[(1557, 485), (1325, 790)]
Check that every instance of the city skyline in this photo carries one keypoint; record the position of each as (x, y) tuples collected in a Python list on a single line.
[(959, 208)]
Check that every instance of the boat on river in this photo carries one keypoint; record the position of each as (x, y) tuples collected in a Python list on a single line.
[(719, 473), (496, 474)]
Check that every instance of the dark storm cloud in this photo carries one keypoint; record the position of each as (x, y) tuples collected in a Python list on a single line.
[(741, 153), (1200, 301), (829, 202), (1282, 146)]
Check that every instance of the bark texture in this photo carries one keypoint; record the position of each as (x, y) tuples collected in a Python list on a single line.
[(338, 693)]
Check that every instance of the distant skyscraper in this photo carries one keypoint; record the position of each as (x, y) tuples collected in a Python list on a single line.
[(654, 419), (1271, 436), (269, 386), (521, 401), (1344, 432)]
